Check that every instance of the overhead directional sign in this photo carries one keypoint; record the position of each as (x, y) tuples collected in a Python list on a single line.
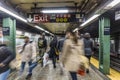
[(56, 18)]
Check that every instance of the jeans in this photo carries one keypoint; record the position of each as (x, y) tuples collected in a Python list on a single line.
[(41, 54), (23, 66), (33, 65), (4, 75), (73, 75), (54, 61)]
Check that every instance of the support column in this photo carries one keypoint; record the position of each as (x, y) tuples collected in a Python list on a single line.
[(117, 43), (104, 49), (9, 33)]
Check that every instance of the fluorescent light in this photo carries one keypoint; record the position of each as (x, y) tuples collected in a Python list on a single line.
[(39, 28), (50, 33), (27, 34), (90, 19), (12, 14), (18, 32), (76, 29), (46, 31), (112, 3), (55, 11)]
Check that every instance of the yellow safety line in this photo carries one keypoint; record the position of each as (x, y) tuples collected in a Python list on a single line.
[(114, 75)]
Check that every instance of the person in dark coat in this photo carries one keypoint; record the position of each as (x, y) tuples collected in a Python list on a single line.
[(6, 56), (52, 55), (88, 47), (42, 45), (60, 44)]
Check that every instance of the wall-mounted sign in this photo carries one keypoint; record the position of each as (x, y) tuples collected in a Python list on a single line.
[(58, 18), (6, 31), (106, 30), (117, 15)]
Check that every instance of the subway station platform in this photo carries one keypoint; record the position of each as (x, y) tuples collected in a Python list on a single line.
[(114, 75), (49, 73)]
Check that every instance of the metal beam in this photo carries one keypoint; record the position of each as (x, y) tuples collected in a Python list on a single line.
[(85, 4), (49, 2), (64, 7)]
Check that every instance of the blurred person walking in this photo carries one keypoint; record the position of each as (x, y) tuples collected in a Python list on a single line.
[(6, 56), (73, 50), (60, 49), (53, 48), (42, 45), (88, 46), (28, 53)]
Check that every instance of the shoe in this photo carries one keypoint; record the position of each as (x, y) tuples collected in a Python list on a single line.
[(28, 76), (87, 71), (20, 73), (61, 72), (54, 67)]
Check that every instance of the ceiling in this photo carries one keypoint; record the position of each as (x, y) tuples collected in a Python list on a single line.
[(57, 27), (25, 6)]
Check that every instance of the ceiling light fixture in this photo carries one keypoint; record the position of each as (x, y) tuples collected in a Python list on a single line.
[(55, 11), (18, 32), (12, 14), (76, 29), (112, 3), (39, 28), (47, 32), (27, 34), (90, 19)]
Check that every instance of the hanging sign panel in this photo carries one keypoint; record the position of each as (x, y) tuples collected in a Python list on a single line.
[(56, 18)]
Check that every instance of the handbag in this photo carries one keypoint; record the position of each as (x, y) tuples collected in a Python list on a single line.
[(83, 65), (81, 72), (56, 52)]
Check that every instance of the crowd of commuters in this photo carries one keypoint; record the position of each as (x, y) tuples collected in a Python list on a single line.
[(74, 49)]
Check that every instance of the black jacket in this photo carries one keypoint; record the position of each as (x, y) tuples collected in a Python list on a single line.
[(60, 44), (53, 45), (42, 43), (6, 56)]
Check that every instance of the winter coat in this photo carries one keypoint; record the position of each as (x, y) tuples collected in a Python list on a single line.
[(73, 55), (6, 56), (29, 53)]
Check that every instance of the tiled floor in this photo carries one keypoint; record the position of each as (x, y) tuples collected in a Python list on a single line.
[(49, 73)]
